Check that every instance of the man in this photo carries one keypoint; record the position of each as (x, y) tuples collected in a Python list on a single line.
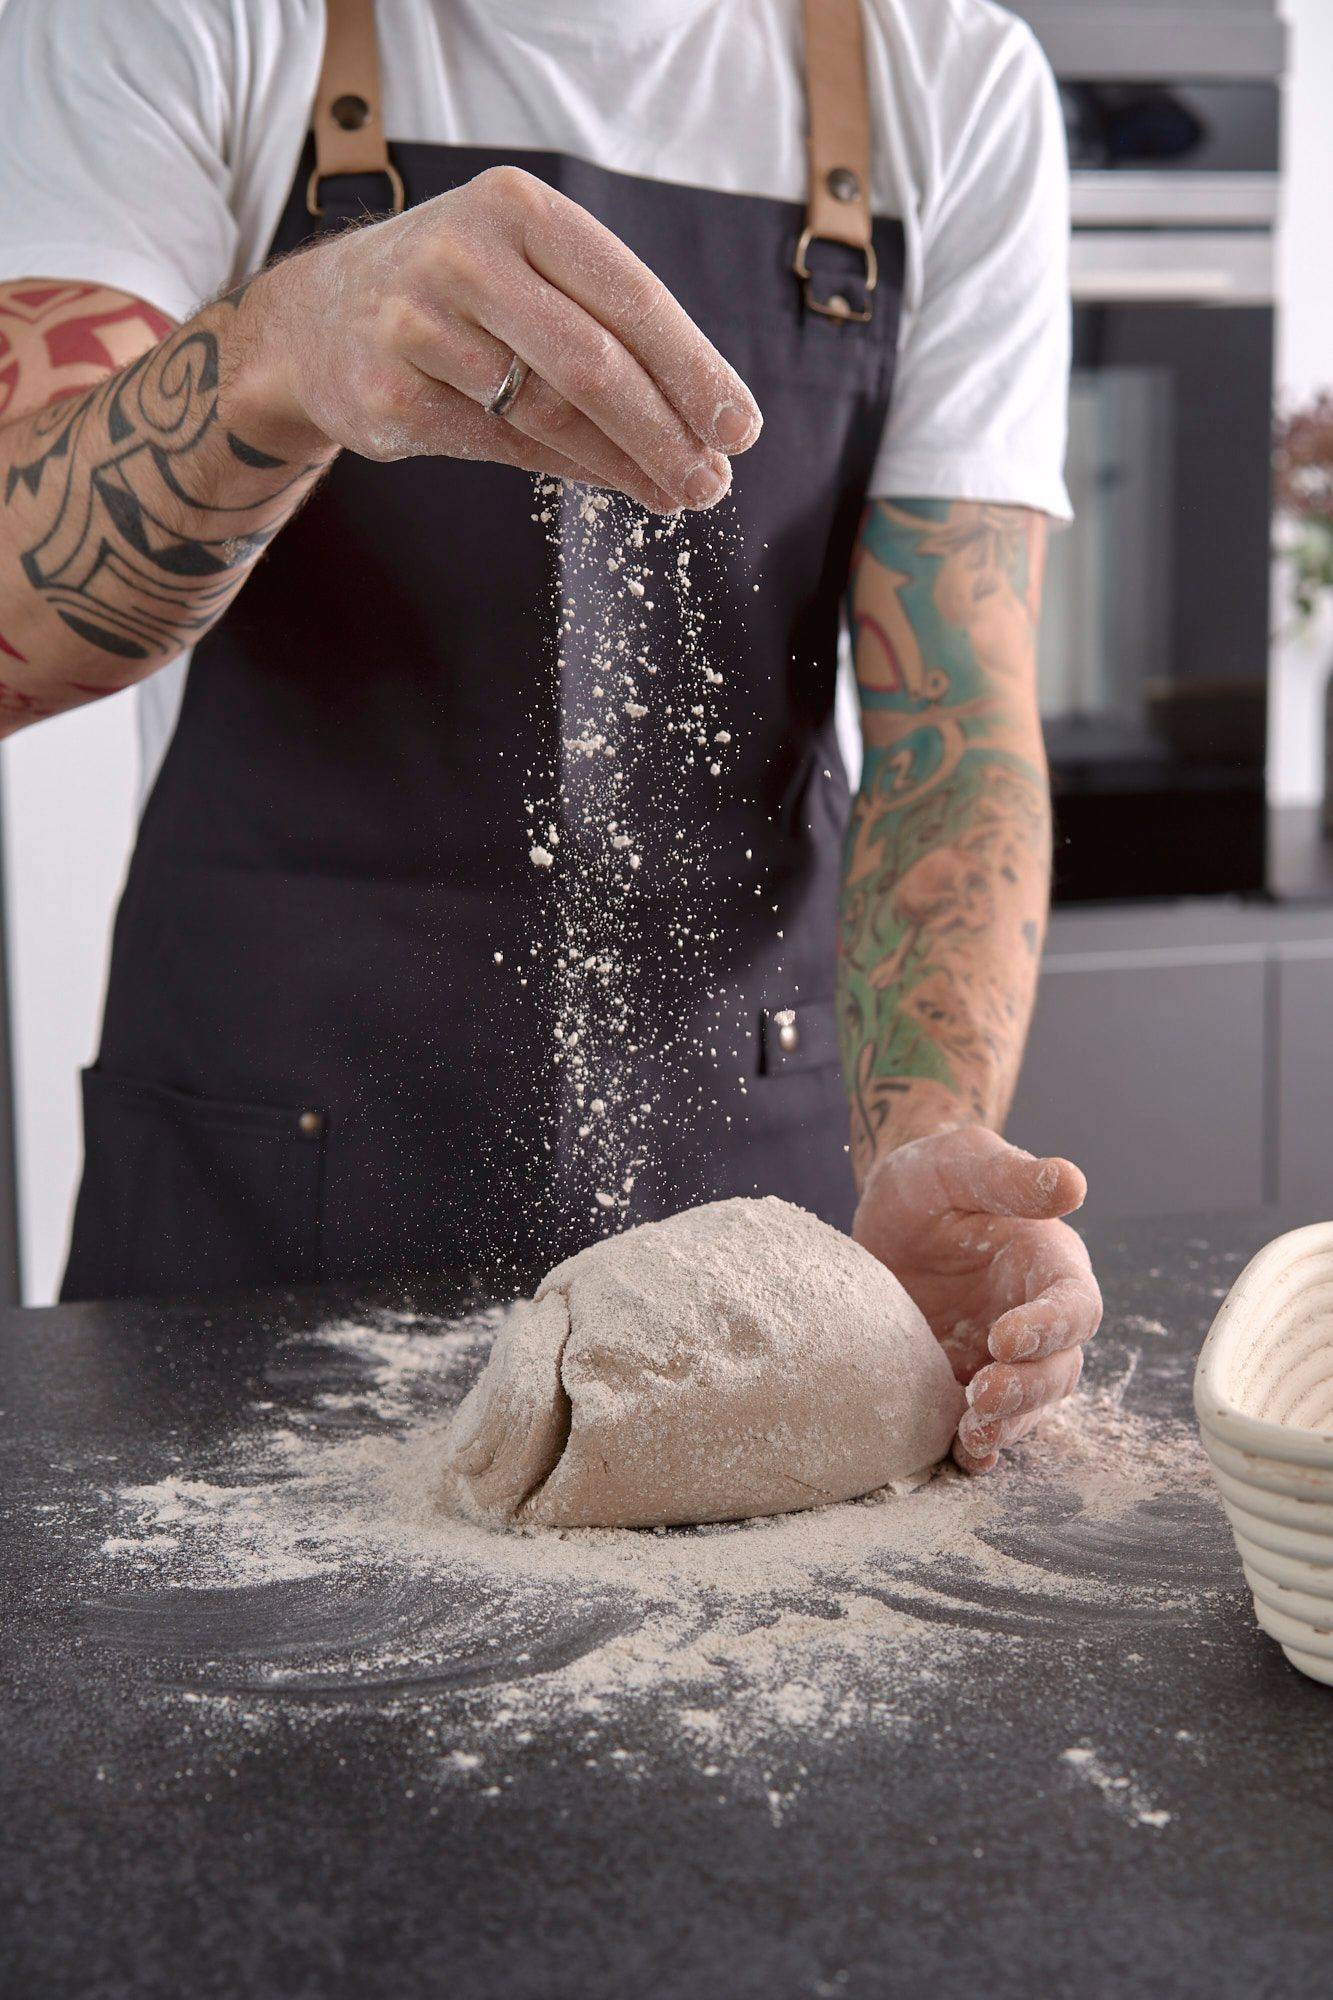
[(614, 265)]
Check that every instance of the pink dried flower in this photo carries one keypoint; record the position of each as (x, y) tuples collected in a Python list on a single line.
[(1303, 462)]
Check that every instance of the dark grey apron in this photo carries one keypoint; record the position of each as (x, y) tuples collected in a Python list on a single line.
[(311, 1065)]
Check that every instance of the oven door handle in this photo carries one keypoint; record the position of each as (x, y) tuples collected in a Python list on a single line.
[(1198, 268), (1128, 287)]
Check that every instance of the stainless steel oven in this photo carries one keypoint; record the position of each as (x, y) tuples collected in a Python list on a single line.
[(1154, 648)]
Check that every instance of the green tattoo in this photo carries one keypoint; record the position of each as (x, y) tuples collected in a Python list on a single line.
[(947, 856)]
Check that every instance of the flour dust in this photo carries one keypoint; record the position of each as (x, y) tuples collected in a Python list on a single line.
[(309, 1573), (629, 856)]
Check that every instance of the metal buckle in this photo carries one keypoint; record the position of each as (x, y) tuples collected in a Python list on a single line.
[(836, 307), (316, 208)]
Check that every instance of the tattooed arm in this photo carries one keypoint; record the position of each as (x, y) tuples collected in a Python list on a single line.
[(134, 493), (132, 511), (945, 885), (944, 902)]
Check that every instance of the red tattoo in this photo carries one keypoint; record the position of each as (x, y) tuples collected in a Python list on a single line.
[(13, 701), (71, 339), (895, 680), (12, 652)]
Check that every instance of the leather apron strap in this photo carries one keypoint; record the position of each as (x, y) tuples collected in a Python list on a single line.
[(350, 144), (838, 201), (348, 117)]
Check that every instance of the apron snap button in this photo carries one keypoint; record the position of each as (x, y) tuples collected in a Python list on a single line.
[(311, 1123), (351, 113), (789, 1035), (842, 184)]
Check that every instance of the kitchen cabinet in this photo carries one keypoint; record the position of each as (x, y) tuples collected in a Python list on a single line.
[(1150, 1073), (1303, 1080), (1183, 1055)]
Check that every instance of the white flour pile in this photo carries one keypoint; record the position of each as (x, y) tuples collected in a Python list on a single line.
[(746, 1644)]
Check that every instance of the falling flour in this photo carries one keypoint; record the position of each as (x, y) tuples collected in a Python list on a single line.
[(634, 903)]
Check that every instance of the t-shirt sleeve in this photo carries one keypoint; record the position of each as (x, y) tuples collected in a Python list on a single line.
[(114, 125), (980, 397)]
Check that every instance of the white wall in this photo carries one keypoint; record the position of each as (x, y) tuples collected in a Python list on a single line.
[(69, 785), (69, 791), (1305, 364)]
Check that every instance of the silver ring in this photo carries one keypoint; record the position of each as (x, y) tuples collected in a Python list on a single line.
[(503, 399)]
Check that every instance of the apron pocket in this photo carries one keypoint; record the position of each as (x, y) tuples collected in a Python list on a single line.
[(185, 1194), (796, 1121)]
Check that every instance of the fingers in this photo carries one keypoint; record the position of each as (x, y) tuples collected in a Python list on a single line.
[(625, 390), (590, 369), (596, 271), (454, 352), (471, 433), (1003, 1402), (1066, 1314), (968, 1461), (542, 413), (979, 1171), (1016, 1428)]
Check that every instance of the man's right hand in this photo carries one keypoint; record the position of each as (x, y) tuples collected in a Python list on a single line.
[(390, 340)]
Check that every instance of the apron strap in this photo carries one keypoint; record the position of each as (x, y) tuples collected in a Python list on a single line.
[(837, 215), (351, 152), (352, 163)]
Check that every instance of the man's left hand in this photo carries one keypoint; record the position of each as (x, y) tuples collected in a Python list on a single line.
[(970, 1226)]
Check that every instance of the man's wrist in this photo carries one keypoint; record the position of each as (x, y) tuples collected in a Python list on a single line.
[(256, 342), (924, 1111)]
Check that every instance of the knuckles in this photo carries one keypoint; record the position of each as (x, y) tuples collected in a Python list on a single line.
[(641, 303), (553, 416), (512, 191), (389, 406), (402, 324), (589, 369)]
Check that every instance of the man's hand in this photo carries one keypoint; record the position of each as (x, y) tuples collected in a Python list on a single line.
[(132, 513), (970, 1227), (390, 340)]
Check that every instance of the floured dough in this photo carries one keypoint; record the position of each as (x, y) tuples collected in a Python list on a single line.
[(738, 1359)]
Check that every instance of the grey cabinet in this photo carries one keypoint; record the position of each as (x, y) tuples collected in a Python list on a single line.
[(1150, 1074), (1184, 1057), (1302, 1134)]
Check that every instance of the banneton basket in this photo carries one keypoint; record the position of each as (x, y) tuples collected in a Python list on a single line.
[(1263, 1393)]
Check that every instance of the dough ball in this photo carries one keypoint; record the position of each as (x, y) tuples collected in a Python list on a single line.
[(738, 1359)]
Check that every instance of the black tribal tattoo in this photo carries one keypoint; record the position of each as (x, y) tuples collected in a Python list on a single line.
[(132, 556)]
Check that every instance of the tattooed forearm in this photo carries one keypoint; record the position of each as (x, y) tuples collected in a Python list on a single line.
[(135, 557), (131, 511), (946, 868), (57, 339)]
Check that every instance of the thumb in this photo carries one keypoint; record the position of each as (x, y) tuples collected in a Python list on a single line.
[(1003, 1180)]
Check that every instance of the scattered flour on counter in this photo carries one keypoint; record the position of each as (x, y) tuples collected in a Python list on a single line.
[(142, 1547), (348, 1588), (1123, 1795), (1141, 1323)]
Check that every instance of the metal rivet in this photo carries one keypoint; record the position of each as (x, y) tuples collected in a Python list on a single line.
[(311, 1123), (843, 184), (351, 112), (789, 1035)]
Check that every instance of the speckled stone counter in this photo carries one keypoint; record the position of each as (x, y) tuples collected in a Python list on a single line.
[(1136, 1802)]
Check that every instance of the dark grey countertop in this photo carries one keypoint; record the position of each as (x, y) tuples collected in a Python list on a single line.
[(162, 1836)]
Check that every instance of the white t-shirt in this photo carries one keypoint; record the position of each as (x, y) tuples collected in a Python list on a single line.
[(150, 145)]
